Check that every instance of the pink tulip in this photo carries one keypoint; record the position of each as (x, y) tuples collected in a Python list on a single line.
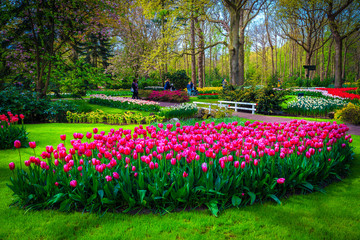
[(236, 164), (32, 144), (204, 167), (17, 144), (108, 178), (56, 184), (88, 135), (73, 183), (95, 130), (151, 165), (116, 175), (12, 166), (27, 163), (280, 180), (243, 164), (185, 174), (63, 137), (80, 168), (256, 162), (135, 174)]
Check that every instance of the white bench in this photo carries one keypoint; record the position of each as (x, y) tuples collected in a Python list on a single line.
[(209, 105), (236, 105)]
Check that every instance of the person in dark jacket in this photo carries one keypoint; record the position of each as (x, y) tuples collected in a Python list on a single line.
[(190, 87), (167, 85), (135, 89)]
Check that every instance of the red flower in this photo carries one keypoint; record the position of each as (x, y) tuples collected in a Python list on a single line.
[(17, 144), (12, 166)]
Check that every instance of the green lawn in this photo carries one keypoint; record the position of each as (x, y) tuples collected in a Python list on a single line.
[(196, 99), (334, 215)]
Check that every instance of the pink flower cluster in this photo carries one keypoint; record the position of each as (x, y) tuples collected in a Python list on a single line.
[(224, 145), (11, 119), (340, 92), (169, 96)]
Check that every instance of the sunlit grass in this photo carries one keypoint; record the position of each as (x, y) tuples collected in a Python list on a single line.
[(334, 215)]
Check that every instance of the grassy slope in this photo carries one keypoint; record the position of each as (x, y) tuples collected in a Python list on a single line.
[(334, 215)]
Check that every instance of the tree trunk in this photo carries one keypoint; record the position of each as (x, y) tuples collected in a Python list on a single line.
[(344, 62), (329, 60), (201, 53), (234, 47), (337, 61), (193, 60)]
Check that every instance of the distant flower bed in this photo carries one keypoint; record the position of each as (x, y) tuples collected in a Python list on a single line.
[(168, 96), (341, 92), (184, 110), (124, 103), (207, 90), (170, 167), (208, 96), (11, 131), (311, 106)]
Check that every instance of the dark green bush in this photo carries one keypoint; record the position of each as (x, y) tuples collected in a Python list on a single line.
[(179, 79), (208, 96)]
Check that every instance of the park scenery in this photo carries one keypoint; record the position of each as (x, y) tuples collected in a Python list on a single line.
[(211, 119)]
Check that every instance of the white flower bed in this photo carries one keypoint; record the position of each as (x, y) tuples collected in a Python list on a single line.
[(123, 99)]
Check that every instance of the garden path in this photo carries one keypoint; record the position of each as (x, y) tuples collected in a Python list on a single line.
[(353, 129)]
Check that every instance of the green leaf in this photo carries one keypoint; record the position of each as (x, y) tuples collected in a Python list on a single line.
[(213, 207), (235, 200), (101, 193), (142, 195), (252, 197), (275, 198)]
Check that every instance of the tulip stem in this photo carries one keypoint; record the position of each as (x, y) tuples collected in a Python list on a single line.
[(20, 158)]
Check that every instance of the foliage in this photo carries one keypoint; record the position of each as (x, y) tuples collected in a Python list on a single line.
[(124, 103), (350, 113), (27, 102), (144, 94), (267, 98), (78, 77), (100, 116), (358, 87), (178, 78), (113, 175), (11, 131), (208, 96), (144, 82), (216, 112), (57, 110), (315, 82), (185, 110), (308, 106)]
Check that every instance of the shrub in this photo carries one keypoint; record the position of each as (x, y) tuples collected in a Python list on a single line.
[(11, 131), (178, 78), (350, 113), (57, 110), (144, 94), (185, 110), (268, 99), (169, 96), (205, 165)]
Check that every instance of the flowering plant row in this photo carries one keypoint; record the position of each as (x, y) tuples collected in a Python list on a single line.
[(100, 116), (309, 106), (11, 131), (184, 110), (114, 93), (124, 103), (208, 96), (341, 92), (167, 167), (206, 90)]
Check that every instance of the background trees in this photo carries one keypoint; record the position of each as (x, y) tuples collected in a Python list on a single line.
[(45, 43)]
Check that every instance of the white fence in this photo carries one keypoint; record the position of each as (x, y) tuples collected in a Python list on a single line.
[(229, 104)]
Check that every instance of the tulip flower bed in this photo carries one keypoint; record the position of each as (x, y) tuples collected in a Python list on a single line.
[(169, 167), (341, 92), (124, 103), (184, 110), (309, 106), (11, 131)]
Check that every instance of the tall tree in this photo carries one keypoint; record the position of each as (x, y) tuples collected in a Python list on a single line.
[(301, 22), (341, 28), (241, 13)]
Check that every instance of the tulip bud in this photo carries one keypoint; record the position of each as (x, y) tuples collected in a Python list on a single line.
[(73, 183), (17, 144), (12, 166)]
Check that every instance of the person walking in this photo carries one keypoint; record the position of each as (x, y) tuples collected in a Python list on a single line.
[(135, 89), (190, 87), (167, 84), (224, 83)]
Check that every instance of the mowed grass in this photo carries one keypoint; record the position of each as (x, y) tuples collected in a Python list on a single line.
[(334, 215)]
